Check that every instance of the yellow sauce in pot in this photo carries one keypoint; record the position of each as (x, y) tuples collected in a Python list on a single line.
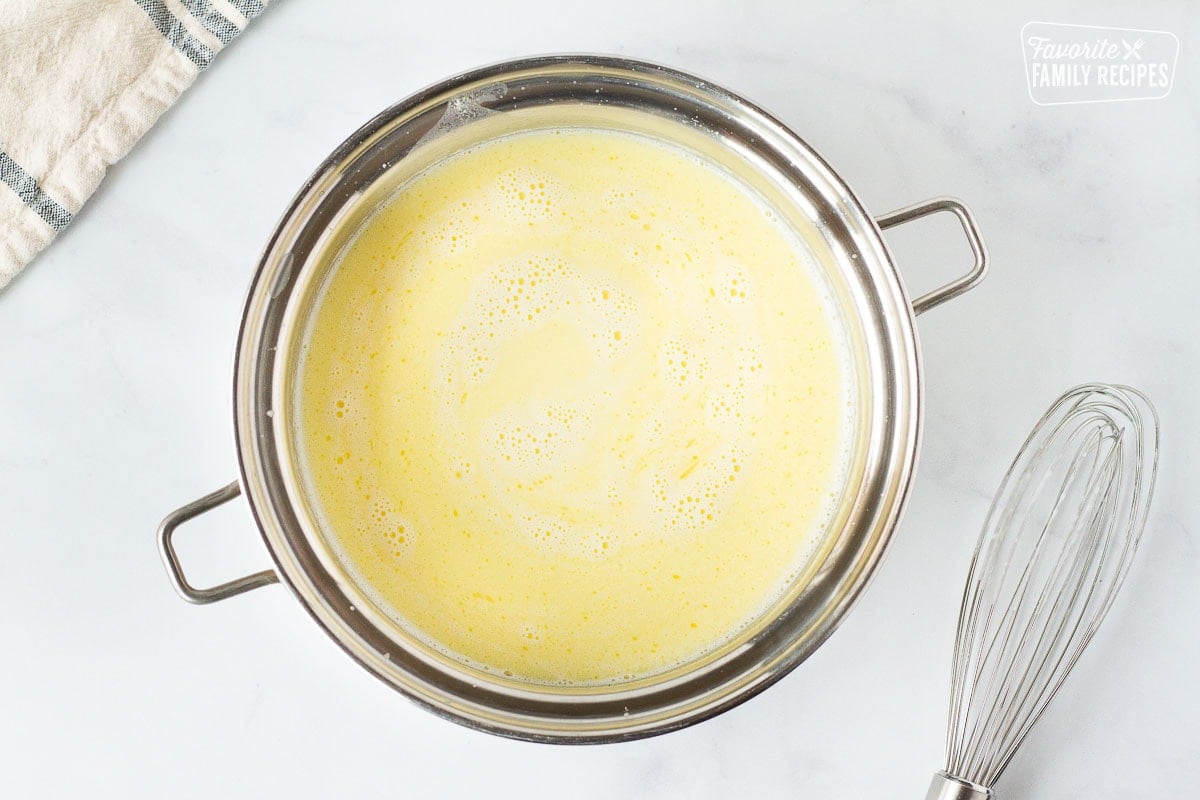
[(572, 406)]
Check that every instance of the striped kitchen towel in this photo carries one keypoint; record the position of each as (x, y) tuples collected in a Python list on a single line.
[(80, 82)]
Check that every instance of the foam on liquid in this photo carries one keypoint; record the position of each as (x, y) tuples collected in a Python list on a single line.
[(572, 406)]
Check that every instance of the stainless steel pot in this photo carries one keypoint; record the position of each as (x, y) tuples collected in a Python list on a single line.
[(596, 91)]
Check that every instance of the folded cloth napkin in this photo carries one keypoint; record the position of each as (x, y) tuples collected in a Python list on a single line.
[(80, 82)]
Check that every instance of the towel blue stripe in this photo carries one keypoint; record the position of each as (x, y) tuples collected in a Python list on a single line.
[(175, 33), (26, 188), (213, 21), (249, 8)]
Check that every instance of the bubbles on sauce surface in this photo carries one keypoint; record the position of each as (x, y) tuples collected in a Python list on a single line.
[(573, 407)]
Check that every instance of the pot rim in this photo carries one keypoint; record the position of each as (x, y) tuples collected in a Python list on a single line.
[(252, 407)]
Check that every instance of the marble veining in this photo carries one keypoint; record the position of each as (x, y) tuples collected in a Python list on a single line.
[(115, 368)]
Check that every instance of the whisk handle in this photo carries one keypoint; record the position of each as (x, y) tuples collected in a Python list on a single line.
[(947, 787)]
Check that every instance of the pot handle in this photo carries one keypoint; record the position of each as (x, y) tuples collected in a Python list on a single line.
[(171, 559), (970, 228)]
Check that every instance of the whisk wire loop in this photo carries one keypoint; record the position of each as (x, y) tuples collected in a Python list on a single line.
[(1055, 547)]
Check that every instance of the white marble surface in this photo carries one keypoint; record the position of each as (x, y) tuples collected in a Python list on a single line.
[(114, 408)]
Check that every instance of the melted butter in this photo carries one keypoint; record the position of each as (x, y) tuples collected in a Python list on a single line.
[(572, 406)]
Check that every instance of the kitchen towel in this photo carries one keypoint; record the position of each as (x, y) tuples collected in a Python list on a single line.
[(80, 82)]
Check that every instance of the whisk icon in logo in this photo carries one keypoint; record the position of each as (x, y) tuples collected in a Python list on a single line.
[(1086, 64)]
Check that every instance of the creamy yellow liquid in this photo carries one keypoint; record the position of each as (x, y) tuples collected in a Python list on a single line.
[(572, 406)]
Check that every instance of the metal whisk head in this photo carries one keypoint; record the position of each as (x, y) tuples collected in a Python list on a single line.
[(1054, 550)]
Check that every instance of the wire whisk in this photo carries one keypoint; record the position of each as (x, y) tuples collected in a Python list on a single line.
[(1057, 543)]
